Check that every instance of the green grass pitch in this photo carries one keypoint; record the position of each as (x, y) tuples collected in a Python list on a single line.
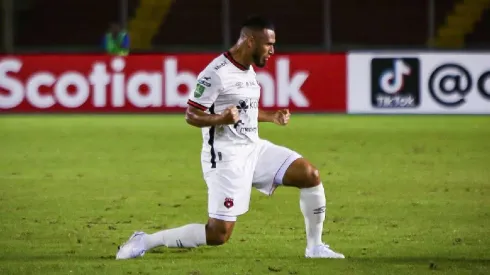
[(405, 195)]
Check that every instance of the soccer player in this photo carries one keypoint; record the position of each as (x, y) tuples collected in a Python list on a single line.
[(234, 159)]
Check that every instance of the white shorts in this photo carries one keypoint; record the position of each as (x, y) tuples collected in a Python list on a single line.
[(230, 183)]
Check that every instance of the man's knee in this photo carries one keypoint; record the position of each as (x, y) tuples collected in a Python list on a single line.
[(311, 176), (302, 174), (218, 232)]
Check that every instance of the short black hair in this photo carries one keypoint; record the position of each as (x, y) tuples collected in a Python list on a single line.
[(257, 23)]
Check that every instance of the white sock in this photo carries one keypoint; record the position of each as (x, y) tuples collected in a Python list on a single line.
[(313, 206), (191, 235)]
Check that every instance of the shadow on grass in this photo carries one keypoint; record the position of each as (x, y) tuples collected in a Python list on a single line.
[(172, 253)]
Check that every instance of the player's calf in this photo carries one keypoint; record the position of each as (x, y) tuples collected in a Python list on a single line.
[(215, 232)]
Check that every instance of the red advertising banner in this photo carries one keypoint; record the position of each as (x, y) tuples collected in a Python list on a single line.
[(159, 83)]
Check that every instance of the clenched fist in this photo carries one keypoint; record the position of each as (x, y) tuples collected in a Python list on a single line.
[(281, 117), (230, 115)]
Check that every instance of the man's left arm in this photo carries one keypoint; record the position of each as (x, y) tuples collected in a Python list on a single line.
[(279, 117), (266, 116)]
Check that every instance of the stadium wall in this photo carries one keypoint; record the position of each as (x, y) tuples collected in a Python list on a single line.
[(354, 82)]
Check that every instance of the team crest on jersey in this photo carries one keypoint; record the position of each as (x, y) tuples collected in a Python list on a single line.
[(242, 106), (228, 203), (199, 90)]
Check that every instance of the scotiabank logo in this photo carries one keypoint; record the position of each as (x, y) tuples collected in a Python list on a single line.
[(72, 89), (137, 83)]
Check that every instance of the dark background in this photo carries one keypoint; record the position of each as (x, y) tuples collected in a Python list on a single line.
[(212, 25)]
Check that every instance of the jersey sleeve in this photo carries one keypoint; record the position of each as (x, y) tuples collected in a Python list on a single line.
[(206, 91)]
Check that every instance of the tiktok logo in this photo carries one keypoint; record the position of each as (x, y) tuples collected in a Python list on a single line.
[(395, 82), (392, 80)]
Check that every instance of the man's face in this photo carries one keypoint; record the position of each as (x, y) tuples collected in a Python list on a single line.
[(263, 46)]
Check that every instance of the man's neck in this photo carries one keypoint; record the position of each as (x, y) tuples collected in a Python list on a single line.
[(240, 56)]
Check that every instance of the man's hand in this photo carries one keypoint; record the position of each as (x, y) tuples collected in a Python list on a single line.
[(281, 117), (230, 115)]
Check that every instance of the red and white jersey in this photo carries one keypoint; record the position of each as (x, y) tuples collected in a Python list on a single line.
[(224, 83)]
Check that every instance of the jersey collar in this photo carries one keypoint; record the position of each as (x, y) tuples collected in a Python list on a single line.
[(234, 62)]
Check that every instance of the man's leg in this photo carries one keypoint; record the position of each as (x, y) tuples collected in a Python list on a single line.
[(278, 165), (229, 187), (215, 232), (303, 175)]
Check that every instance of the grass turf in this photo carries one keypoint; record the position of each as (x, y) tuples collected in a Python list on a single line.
[(405, 195)]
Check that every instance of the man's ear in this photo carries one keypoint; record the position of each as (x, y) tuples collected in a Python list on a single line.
[(250, 41)]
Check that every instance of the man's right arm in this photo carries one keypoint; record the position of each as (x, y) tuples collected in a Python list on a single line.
[(199, 118), (208, 87)]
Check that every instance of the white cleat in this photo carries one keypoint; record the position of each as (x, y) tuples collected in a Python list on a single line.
[(133, 248), (322, 251)]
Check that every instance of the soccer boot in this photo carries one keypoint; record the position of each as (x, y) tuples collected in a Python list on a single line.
[(322, 251), (134, 247)]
